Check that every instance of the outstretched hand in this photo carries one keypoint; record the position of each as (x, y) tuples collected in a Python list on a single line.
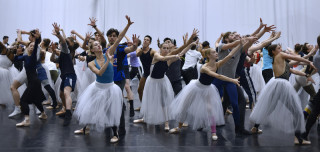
[(129, 20), (269, 28), (194, 33), (93, 22), (88, 35), (261, 23), (56, 27), (135, 39)]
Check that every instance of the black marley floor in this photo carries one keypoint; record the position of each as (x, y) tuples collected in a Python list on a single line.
[(49, 135)]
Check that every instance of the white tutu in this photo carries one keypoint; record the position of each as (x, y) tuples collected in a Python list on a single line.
[(100, 105), (279, 106), (199, 105), (21, 77), (157, 96), (257, 78), (7, 71), (88, 77)]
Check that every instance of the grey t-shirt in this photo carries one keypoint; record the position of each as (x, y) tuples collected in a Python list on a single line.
[(229, 68), (316, 61)]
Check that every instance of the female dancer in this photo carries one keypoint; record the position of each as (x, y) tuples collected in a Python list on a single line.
[(7, 72), (279, 104), (33, 94), (158, 92), (100, 104), (199, 102)]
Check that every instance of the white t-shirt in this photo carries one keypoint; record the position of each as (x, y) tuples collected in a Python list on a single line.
[(191, 59), (49, 64)]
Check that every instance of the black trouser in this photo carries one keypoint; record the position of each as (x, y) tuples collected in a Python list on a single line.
[(177, 86), (32, 95), (135, 71), (52, 94), (314, 113), (241, 105), (247, 84), (189, 74), (267, 75), (122, 121)]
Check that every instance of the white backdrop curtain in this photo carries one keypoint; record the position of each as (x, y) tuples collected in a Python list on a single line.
[(297, 19)]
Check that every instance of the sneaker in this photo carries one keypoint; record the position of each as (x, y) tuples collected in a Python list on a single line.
[(43, 116), (255, 130), (15, 112), (174, 130), (24, 123)]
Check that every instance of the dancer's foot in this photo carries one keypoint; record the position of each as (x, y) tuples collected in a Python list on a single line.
[(137, 109), (114, 139), (174, 130), (43, 116), (82, 131), (138, 121), (214, 136), (301, 141), (255, 130), (24, 123), (62, 111)]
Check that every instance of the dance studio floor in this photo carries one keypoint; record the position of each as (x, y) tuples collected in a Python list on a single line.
[(49, 135)]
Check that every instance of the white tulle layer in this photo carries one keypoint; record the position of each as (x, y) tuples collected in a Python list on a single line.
[(199, 105), (157, 96), (279, 106), (100, 106)]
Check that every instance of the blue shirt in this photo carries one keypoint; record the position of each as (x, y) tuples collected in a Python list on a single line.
[(267, 60), (118, 68), (107, 76)]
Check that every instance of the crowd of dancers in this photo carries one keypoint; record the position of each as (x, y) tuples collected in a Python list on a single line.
[(280, 85)]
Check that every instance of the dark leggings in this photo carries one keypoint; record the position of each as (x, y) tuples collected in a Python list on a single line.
[(52, 94), (314, 113), (25, 105), (267, 75), (122, 120)]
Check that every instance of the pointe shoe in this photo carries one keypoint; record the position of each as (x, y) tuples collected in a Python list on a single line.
[(43, 116), (15, 112), (214, 136), (174, 130), (301, 141), (137, 109), (255, 130), (46, 102), (62, 111), (82, 131), (138, 121), (114, 139), (185, 125), (24, 123)]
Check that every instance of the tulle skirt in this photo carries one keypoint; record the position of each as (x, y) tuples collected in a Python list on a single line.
[(87, 78), (157, 96), (257, 78), (199, 105), (5, 81), (100, 106), (279, 106)]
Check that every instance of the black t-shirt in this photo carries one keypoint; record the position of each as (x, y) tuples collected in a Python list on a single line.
[(65, 61), (174, 71)]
